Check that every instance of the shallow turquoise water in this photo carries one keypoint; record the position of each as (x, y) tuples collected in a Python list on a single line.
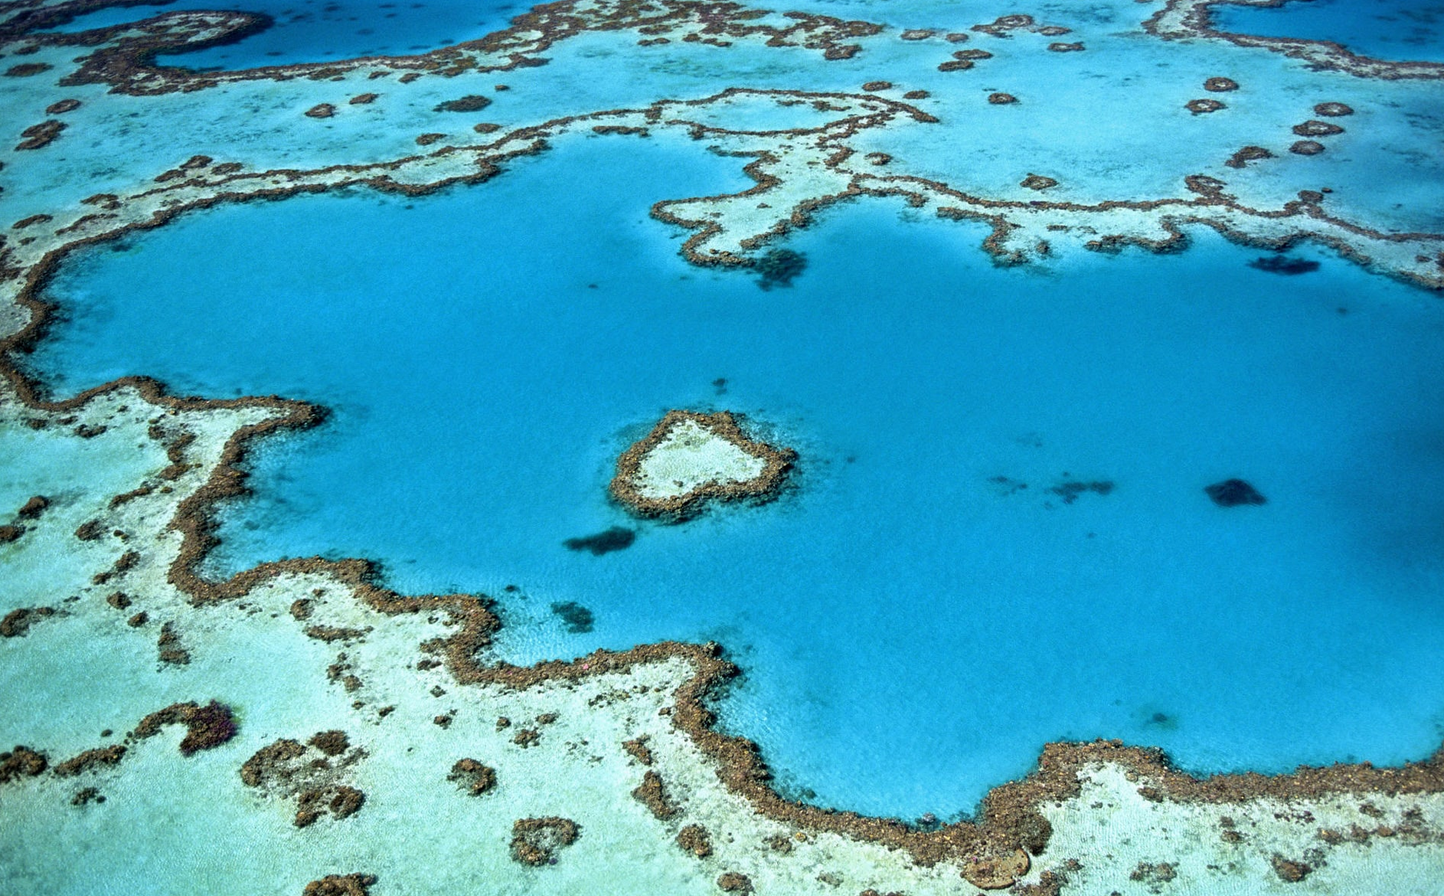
[(1397, 30), (319, 30), (912, 630)]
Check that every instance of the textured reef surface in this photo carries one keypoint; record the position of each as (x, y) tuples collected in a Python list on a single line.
[(1048, 502)]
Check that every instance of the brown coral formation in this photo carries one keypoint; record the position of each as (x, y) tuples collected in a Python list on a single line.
[(34, 507), (695, 839), (777, 461), (1306, 148), (363, 99), (1332, 110), (85, 796), (17, 622), (21, 762), (1246, 155), (1000, 26), (734, 882), (332, 743), (871, 86), (318, 786), (473, 776), (638, 749), (1315, 128), (653, 794), (1203, 106), (1151, 873), (1037, 182), (469, 103), (1060, 47), (90, 759), (60, 107), (207, 727), (1220, 85), (169, 646), (27, 69), (1001, 99), (340, 885), (321, 110), (996, 872), (39, 136), (1290, 871), (536, 841)]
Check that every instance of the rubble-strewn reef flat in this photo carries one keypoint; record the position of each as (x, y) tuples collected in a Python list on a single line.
[(363, 740)]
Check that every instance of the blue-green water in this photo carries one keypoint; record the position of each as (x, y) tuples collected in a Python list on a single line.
[(912, 629), (1397, 30), (320, 30)]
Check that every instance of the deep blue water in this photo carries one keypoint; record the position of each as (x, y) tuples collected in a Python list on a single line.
[(1398, 30), (912, 629), (320, 30)]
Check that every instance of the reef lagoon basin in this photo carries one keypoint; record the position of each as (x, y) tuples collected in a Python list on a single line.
[(948, 582), (670, 447)]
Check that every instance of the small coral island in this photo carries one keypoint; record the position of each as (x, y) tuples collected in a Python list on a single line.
[(689, 457)]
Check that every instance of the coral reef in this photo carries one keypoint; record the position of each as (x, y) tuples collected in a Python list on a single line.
[(695, 839), (474, 777), (317, 785), (207, 727), (706, 450), (90, 759), (340, 885), (536, 841), (21, 762), (652, 794)]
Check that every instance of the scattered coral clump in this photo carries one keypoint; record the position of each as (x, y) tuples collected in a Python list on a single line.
[(536, 841)]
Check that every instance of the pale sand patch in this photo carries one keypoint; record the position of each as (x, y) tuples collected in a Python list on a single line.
[(691, 455)]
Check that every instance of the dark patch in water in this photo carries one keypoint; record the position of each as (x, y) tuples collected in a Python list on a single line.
[(1007, 486), (577, 618), (779, 266), (1069, 491), (1162, 720), (1284, 264), (719, 385), (1233, 493), (614, 539)]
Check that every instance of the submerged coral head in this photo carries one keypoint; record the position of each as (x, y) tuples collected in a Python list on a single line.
[(1234, 493)]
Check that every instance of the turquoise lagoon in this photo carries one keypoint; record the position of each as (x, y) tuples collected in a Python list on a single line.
[(913, 623), (323, 30), (1397, 30)]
